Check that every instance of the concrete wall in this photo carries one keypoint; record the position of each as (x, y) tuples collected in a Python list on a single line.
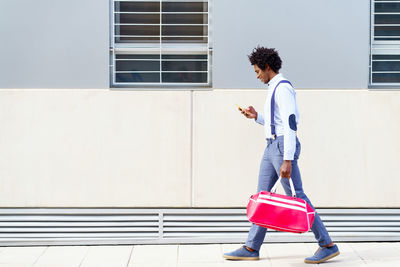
[(350, 147), (323, 44), (54, 44), (101, 148), (70, 148), (65, 44)]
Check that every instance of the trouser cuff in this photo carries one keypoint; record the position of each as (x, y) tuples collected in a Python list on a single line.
[(252, 245), (324, 243)]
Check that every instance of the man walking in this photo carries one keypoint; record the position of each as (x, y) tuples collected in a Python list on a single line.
[(280, 118)]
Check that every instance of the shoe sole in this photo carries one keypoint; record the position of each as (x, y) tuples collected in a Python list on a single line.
[(241, 258), (324, 259)]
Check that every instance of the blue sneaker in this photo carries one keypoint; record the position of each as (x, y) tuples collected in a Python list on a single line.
[(242, 254), (323, 254)]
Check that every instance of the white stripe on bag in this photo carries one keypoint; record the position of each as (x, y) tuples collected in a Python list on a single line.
[(281, 205), (283, 228), (282, 200)]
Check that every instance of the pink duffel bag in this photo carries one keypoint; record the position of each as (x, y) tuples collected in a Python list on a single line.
[(280, 212)]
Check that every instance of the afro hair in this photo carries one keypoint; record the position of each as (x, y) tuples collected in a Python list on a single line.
[(262, 57)]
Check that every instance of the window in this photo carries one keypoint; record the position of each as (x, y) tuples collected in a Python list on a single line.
[(160, 43), (385, 43)]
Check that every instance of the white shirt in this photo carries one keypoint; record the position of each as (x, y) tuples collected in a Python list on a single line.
[(285, 106)]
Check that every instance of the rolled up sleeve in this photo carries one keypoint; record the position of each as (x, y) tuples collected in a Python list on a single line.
[(260, 118)]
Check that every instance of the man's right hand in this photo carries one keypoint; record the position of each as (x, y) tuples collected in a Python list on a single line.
[(250, 112)]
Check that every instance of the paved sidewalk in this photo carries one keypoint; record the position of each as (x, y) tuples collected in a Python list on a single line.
[(274, 255)]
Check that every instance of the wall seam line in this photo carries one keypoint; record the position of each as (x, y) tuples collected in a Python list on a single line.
[(191, 150)]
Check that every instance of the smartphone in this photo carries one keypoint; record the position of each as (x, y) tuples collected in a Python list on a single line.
[(239, 107), (242, 109)]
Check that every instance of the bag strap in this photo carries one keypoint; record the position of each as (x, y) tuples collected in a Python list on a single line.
[(273, 133), (273, 189)]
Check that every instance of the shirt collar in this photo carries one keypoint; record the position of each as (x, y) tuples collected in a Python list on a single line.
[(274, 80)]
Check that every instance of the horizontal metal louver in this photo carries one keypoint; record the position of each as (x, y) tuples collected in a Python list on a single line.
[(73, 226), (205, 225), (160, 43), (157, 226), (385, 43)]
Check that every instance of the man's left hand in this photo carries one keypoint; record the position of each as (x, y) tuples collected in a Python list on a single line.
[(286, 169)]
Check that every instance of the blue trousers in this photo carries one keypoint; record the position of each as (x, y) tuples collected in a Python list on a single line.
[(269, 174)]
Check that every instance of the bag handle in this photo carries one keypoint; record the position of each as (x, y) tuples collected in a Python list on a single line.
[(273, 189)]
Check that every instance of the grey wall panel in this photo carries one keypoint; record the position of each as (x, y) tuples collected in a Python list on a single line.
[(323, 44), (54, 44)]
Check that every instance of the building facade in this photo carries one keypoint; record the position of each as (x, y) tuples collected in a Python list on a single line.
[(95, 111)]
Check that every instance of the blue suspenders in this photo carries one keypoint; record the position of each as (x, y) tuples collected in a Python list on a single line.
[(273, 133)]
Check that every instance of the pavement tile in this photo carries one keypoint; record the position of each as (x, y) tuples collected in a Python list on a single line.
[(200, 253), (288, 254), (164, 255), (20, 255), (152, 264), (272, 255), (15, 265), (380, 252), (60, 256), (200, 264), (260, 263), (107, 256), (382, 264), (347, 258)]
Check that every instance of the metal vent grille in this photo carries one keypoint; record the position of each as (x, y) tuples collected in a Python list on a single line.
[(385, 43), (158, 43), (205, 225), (76, 226), (159, 226)]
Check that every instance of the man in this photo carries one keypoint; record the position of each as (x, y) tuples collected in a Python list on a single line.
[(280, 119)]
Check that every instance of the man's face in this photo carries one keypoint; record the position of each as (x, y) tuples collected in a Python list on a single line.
[(261, 74)]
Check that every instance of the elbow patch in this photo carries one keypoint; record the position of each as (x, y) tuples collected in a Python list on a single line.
[(292, 122)]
